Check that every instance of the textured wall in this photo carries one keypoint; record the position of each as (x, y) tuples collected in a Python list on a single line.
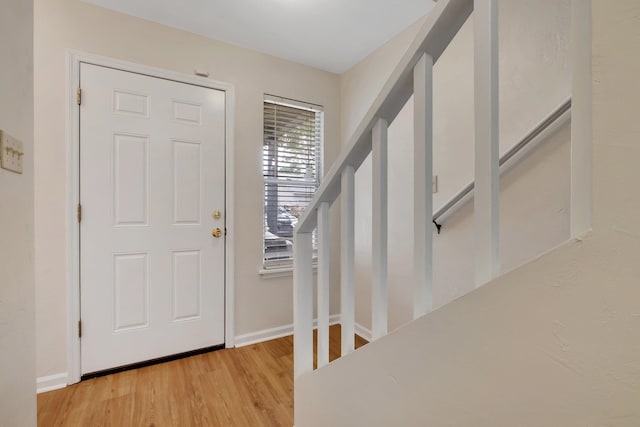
[(17, 318), (555, 342)]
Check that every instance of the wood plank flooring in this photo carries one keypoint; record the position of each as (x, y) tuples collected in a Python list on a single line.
[(250, 386)]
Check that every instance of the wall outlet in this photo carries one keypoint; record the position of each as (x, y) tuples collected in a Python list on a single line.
[(11, 152), (435, 184)]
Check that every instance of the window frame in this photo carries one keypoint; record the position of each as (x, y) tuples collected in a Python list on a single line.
[(281, 267)]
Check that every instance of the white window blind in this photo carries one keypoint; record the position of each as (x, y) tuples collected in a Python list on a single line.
[(291, 165)]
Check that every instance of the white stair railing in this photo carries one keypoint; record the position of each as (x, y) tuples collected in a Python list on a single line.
[(412, 76), (422, 185)]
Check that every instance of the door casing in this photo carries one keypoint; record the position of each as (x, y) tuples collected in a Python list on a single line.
[(75, 58)]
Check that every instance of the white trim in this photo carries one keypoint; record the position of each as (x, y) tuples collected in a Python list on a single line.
[(288, 102), (229, 304), (285, 271), (73, 232), (273, 273), (363, 332), (51, 382), (278, 332), (74, 58)]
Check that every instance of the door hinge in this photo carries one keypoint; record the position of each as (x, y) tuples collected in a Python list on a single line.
[(79, 328), (79, 212), (79, 96)]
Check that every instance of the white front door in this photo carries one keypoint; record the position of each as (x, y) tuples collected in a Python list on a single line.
[(152, 176)]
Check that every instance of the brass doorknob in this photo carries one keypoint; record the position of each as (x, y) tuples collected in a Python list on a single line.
[(216, 232)]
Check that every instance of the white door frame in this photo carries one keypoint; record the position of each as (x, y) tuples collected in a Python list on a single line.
[(75, 58)]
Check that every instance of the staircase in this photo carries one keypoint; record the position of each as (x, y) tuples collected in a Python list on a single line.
[(412, 76)]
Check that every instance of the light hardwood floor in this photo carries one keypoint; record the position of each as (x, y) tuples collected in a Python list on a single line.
[(250, 386)]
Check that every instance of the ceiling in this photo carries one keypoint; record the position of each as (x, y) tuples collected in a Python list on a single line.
[(332, 35)]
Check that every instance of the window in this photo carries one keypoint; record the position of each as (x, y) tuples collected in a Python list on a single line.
[(291, 165)]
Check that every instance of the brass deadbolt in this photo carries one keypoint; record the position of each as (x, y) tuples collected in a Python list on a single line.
[(216, 214)]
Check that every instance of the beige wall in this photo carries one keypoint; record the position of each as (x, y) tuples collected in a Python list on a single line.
[(17, 318), (60, 24), (555, 342), (616, 128), (361, 83), (534, 80)]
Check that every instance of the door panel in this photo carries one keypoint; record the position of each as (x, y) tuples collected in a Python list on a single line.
[(131, 177), (186, 182), (151, 173)]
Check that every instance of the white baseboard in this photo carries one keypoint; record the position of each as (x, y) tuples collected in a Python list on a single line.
[(51, 382), (363, 332), (273, 333), (58, 381)]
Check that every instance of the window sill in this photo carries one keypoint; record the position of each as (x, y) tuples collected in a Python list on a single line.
[(273, 273)]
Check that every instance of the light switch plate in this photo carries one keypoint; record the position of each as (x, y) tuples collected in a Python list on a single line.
[(435, 184), (11, 152)]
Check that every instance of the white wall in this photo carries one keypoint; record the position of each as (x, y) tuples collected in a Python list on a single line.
[(534, 80), (17, 318), (60, 24), (555, 342)]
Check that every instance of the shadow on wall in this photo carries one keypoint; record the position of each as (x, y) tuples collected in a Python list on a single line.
[(534, 217)]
